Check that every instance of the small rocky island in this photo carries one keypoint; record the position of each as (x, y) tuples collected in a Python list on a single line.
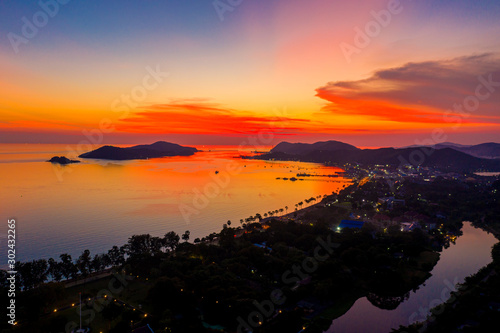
[(157, 149), (62, 160)]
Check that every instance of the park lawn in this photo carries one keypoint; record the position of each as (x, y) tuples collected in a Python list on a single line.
[(131, 294), (136, 293), (97, 322)]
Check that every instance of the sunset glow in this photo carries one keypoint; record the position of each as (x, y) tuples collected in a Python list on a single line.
[(300, 71)]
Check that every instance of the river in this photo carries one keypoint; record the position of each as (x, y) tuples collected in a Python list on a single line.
[(471, 252)]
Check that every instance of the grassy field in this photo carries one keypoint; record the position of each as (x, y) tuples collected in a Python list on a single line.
[(127, 299)]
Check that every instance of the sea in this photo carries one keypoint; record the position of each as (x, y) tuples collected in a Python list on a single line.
[(96, 204)]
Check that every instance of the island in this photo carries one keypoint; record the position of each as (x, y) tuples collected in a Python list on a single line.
[(140, 152), (448, 157), (63, 160)]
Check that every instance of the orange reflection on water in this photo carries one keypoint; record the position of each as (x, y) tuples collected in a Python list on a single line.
[(96, 204)]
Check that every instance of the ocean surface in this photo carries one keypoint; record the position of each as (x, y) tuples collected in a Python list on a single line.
[(97, 203)]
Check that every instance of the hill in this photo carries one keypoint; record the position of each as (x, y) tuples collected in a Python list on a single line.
[(304, 148), (445, 158), (484, 150), (157, 149)]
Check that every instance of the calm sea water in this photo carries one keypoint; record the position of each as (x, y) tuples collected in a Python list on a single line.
[(97, 204)]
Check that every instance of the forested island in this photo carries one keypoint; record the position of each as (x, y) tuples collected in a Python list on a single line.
[(62, 160), (154, 150)]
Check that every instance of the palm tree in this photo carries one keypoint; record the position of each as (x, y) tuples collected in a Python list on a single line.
[(286, 208), (83, 263), (229, 222), (281, 211)]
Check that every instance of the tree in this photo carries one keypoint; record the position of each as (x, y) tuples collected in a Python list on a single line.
[(145, 244), (32, 273), (286, 208), (226, 237), (185, 236), (68, 267), (84, 263), (24, 274), (229, 222), (116, 256), (106, 260), (171, 240), (55, 269), (39, 271), (96, 263), (156, 244), (3, 279)]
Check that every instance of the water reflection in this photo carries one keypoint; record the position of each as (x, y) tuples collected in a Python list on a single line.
[(98, 204), (387, 302), (471, 252)]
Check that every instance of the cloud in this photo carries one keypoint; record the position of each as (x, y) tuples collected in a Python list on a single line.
[(420, 93), (202, 117)]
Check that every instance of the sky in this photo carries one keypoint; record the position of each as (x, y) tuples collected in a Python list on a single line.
[(367, 72)]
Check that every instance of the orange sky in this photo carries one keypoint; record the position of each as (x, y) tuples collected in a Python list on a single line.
[(275, 68)]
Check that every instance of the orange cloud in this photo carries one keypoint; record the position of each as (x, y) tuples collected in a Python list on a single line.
[(205, 118), (420, 95), (37, 125)]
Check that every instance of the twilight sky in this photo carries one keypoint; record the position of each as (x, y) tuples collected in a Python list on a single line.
[(367, 72)]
